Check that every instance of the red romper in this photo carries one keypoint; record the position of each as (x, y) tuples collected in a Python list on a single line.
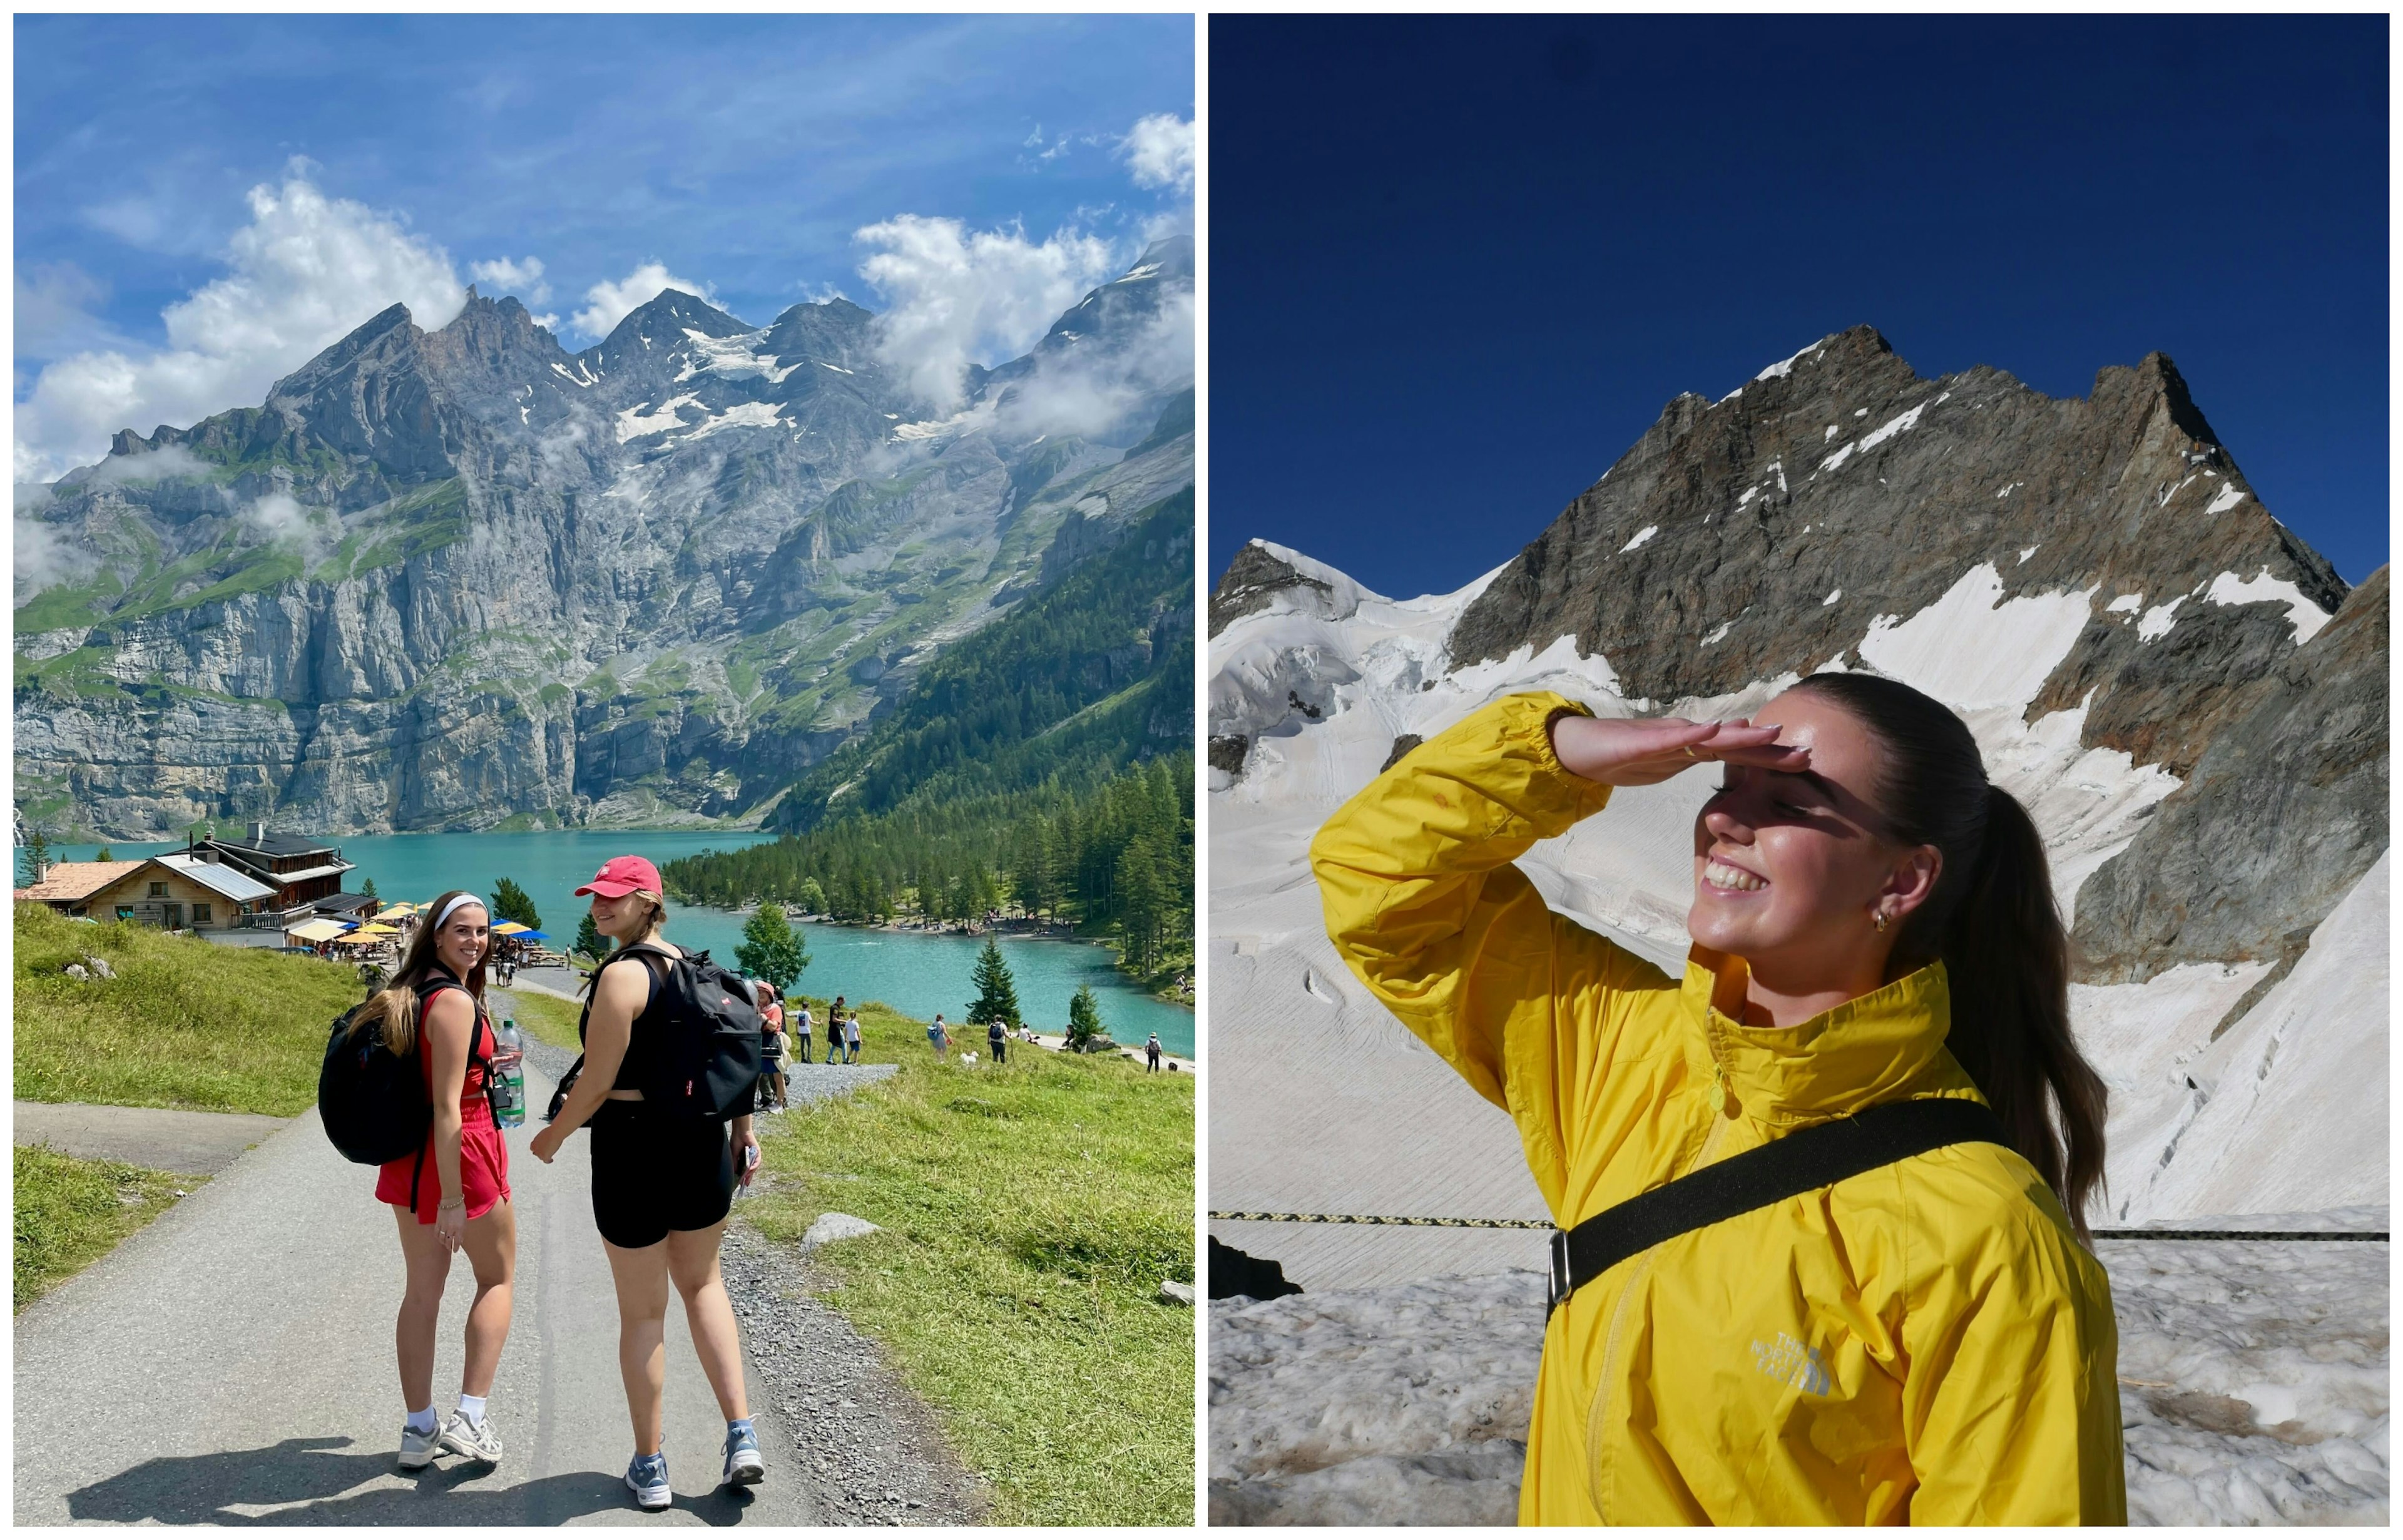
[(483, 1154)]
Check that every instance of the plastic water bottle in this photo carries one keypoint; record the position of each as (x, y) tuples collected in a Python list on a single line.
[(508, 1074)]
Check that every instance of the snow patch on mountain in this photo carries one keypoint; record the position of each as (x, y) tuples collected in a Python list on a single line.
[(732, 355), (1973, 648), (2305, 615)]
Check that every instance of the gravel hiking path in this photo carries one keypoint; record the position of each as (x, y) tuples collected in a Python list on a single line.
[(199, 1144), (232, 1364)]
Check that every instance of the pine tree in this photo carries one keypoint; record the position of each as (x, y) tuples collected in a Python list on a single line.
[(772, 949), (1084, 1018), (510, 902), (589, 939), (367, 888), (105, 854), (37, 856), (996, 990)]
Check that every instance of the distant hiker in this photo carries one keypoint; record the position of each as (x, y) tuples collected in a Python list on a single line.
[(663, 1179), (996, 1034), (454, 1191), (771, 1047), (834, 1031), (1878, 960), (801, 1025), (371, 977), (937, 1035), (1151, 1054), (850, 1038)]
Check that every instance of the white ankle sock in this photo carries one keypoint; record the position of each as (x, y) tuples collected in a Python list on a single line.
[(472, 1408), (422, 1422)]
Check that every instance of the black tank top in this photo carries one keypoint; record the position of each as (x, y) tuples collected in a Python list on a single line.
[(642, 1040)]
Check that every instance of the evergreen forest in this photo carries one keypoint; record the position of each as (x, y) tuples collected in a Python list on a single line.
[(1040, 767)]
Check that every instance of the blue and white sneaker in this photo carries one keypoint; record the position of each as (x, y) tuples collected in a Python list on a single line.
[(743, 1466), (647, 1478)]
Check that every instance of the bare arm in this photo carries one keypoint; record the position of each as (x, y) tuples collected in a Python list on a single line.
[(449, 1026)]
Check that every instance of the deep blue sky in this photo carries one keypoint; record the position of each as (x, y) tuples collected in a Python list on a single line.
[(738, 150), (1458, 266)]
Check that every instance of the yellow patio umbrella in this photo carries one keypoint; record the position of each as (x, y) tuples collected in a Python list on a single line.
[(316, 930), (375, 930), (511, 927)]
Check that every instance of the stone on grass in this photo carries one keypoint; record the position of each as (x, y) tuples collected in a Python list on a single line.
[(1174, 1293), (836, 1227), (100, 968), (75, 971)]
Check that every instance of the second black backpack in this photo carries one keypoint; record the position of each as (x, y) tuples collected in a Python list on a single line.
[(707, 1062)]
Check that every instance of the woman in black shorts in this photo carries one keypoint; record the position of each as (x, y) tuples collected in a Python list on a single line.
[(661, 1188)]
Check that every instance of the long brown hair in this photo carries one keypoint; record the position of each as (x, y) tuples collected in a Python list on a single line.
[(1994, 924), (396, 1004)]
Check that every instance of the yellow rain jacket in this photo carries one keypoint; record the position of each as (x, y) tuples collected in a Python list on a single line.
[(1924, 1343)]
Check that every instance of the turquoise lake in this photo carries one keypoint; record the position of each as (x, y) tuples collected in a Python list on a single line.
[(918, 975)]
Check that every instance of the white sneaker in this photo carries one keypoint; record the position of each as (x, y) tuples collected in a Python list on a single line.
[(474, 1440), (417, 1449)]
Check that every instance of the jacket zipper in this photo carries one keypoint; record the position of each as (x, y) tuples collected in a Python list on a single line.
[(1597, 1410)]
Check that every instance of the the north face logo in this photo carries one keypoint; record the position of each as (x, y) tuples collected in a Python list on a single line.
[(1789, 1362)]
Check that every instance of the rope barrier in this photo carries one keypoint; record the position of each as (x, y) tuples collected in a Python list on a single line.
[(1417, 1220)]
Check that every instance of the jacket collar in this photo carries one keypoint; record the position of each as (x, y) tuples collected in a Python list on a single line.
[(1867, 1051)]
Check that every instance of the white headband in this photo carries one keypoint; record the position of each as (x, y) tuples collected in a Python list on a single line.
[(447, 908)]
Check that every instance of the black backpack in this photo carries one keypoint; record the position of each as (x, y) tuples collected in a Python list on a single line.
[(372, 1101), (705, 1063)]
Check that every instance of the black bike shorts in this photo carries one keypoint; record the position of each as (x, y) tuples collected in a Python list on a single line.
[(653, 1174)]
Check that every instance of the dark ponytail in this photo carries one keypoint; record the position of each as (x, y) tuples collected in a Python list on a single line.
[(1994, 924)]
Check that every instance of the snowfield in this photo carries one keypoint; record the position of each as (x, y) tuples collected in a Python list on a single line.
[(2252, 1387)]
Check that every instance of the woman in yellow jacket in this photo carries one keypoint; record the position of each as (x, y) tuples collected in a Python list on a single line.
[(1928, 1342)]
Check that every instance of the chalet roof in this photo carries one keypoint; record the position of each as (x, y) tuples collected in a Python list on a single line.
[(219, 878), (275, 844), (71, 881)]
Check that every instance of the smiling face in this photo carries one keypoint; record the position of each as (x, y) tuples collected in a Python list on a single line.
[(464, 938), (1791, 870)]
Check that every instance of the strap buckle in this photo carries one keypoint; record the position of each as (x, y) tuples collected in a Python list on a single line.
[(1560, 1286)]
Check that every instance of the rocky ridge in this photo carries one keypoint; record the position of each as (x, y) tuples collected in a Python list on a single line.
[(463, 577)]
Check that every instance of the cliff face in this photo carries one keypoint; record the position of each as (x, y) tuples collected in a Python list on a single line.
[(457, 578)]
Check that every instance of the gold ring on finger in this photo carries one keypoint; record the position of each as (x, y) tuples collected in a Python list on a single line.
[(1690, 754)]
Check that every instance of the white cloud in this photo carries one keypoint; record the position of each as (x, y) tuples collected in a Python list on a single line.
[(1159, 152), (44, 557), (611, 303), (305, 271), (277, 519), (157, 465), (504, 276), (959, 297), (1090, 392)]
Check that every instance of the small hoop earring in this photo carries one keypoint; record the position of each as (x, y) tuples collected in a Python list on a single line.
[(1881, 921)]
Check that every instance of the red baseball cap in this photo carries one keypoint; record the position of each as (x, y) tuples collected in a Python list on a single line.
[(622, 875)]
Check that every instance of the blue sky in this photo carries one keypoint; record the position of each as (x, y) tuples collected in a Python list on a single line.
[(737, 154), (1459, 266)]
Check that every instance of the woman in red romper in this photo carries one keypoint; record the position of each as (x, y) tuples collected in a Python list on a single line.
[(454, 1191)]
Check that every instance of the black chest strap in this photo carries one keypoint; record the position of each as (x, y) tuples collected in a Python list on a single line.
[(1803, 1161)]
